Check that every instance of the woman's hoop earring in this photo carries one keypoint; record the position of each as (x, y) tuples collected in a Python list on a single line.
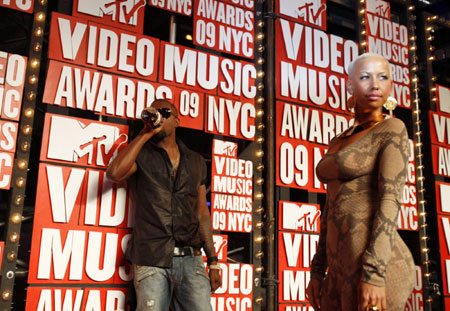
[(390, 104)]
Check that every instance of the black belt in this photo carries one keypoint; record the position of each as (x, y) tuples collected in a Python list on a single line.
[(186, 251)]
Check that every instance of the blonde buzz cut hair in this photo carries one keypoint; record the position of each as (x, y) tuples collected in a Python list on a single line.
[(351, 67)]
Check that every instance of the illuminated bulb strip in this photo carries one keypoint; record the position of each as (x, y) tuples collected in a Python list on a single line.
[(20, 169), (259, 239), (418, 145), (6, 295), (258, 154), (259, 196)]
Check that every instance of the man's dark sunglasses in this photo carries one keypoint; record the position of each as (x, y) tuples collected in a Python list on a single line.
[(165, 112)]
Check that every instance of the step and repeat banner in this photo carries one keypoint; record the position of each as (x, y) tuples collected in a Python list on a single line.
[(310, 110), (390, 40), (12, 81), (19, 5), (101, 62), (298, 235), (440, 152), (231, 211)]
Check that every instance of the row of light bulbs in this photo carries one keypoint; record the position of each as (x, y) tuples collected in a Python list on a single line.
[(419, 155), (258, 225), (418, 145), (429, 37), (24, 136)]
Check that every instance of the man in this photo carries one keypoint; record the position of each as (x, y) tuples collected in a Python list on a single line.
[(172, 220)]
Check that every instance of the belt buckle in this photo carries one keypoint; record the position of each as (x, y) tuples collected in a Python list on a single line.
[(178, 251), (183, 251)]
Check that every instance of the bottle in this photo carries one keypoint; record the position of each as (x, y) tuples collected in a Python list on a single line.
[(152, 116)]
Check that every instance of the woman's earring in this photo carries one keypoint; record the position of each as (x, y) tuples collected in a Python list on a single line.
[(390, 104)]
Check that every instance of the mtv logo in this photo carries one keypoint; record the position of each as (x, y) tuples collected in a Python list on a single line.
[(308, 11), (302, 217), (71, 139), (444, 99), (220, 246), (225, 148), (379, 7), (123, 11)]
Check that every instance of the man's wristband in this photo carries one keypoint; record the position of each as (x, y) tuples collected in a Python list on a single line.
[(214, 267), (211, 260)]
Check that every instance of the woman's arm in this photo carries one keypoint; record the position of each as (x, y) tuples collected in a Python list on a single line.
[(392, 169), (393, 160)]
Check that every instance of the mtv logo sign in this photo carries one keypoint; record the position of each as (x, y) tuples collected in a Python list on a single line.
[(220, 242), (225, 148), (71, 140), (311, 12), (300, 217), (379, 7), (122, 11)]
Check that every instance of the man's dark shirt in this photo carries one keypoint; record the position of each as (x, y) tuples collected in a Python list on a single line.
[(166, 204)]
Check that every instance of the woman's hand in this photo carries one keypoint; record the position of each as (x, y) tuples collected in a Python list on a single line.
[(371, 294), (313, 293)]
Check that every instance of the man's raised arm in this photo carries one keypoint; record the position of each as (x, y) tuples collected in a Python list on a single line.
[(124, 164)]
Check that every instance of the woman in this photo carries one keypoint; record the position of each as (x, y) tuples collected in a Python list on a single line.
[(365, 167)]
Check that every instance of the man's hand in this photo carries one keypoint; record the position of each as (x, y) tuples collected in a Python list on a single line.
[(214, 279), (313, 293), (150, 131), (371, 294)]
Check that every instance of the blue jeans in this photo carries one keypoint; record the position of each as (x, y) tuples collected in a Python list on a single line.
[(184, 287)]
